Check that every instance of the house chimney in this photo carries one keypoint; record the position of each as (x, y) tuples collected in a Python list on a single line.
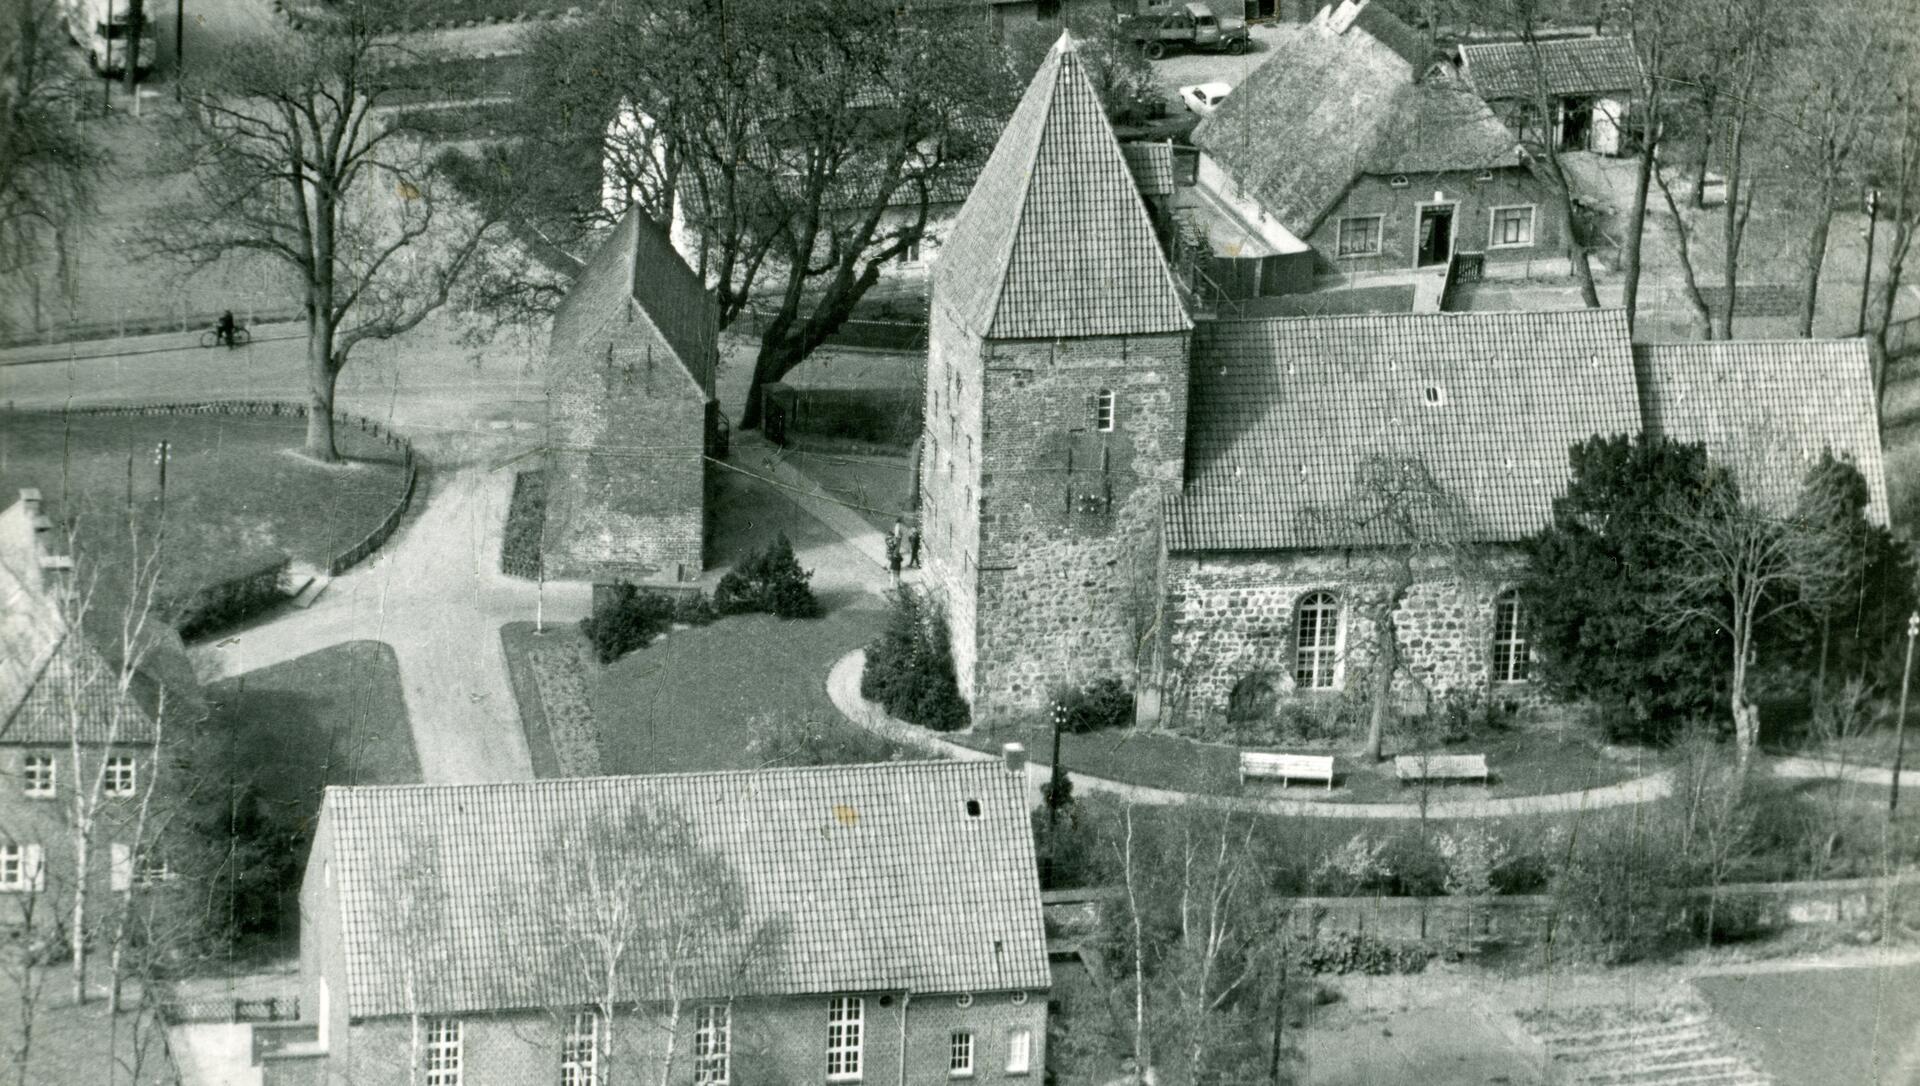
[(30, 499), (1016, 756)]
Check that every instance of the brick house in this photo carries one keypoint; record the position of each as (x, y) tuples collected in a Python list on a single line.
[(631, 415), (67, 727), (1110, 489), (885, 928), (1360, 142), (1589, 83)]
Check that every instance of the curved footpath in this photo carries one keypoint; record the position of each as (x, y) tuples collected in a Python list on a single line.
[(843, 687)]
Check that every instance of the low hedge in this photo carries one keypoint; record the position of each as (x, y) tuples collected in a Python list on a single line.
[(229, 602), (626, 618)]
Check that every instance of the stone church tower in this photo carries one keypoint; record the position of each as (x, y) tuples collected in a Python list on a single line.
[(1056, 409)]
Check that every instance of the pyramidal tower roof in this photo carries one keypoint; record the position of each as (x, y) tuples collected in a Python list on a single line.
[(1053, 240)]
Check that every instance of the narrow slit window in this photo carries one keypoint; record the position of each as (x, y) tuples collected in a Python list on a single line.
[(1103, 406)]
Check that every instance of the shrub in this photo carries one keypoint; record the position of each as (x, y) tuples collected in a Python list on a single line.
[(694, 609), (626, 619), (1466, 714), (791, 740), (771, 581), (1625, 889), (1344, 952), (526, 519), (910, 667), (1357, 867), (229, 602), (1312, 720), (1101, 705)]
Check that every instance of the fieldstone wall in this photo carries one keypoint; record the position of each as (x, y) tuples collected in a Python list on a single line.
[(950, 482), (1069, 514), (1233, 616)]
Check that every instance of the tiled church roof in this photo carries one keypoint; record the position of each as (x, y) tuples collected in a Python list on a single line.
[(1767, 409), (850, 879), (636, 269), (1053, 240), (1285, 414)]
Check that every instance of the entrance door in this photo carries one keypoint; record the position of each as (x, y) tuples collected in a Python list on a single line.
[(1576, 124), (1436, 235)]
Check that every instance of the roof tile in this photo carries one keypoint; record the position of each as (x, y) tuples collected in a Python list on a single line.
[(1570, 66)]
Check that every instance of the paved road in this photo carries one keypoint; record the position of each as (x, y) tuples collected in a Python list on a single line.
[(435, 594)]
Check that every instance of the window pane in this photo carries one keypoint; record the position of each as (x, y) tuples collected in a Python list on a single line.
[(1019, 1051)]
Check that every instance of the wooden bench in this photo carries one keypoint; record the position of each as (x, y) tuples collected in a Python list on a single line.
[(1285, 767), (1441, 767)]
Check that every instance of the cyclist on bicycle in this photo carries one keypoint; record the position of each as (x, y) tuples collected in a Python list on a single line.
[(223, 332)]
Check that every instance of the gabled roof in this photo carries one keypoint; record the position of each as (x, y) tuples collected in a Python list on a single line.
[(1285, 413), (52, 682), (1569, 66), (851, 878), (1326, 109), (1768, 409), (636, 272), (1054, 240)]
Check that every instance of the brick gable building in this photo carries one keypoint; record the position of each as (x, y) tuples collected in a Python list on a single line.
[(1111, 490), (886, 929), (631, 415)]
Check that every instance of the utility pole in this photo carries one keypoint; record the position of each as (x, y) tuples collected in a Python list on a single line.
[(179, 44), (1900, 723), (106, 64), (1866, 272)]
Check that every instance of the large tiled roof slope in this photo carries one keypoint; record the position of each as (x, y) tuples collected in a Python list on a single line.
[(1768, 409), (637, 273), (851, 878), (1054, 240), (1285, 414), (52, 683), (1326, 109), (1568, 66)]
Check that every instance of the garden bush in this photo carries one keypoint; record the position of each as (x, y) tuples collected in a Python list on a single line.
[(230, 602), (770, 581), (1342, 952), (626, 618), (1101, 705), (526, 519), (787, 739), (910, 667)]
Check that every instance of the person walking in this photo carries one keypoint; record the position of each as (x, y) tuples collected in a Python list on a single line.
[(913, 546), (893, 555)]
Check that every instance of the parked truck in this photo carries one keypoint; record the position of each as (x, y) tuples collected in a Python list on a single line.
[(103, 28), (1185, 26)]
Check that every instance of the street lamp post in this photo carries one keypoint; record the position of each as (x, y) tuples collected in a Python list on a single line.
[(1056, 772), (1900, 723), (1866, 273)]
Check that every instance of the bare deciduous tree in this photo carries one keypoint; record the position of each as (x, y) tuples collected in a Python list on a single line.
[(296, 154)]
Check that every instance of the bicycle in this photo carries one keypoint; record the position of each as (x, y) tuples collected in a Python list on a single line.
[(211, 337)]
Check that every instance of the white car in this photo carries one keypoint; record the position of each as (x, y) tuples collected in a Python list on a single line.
[(1204, 98)]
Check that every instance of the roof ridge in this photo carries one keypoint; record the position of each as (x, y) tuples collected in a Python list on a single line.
[(1001, 255), (1770, 341), (1475, 314), (782, 770)]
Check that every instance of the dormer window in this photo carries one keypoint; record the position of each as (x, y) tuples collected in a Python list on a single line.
[(1398, 181), (1103, 413), (1435, 396)]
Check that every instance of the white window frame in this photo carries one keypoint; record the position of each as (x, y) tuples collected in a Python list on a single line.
[(580, 1050), (846, 1022), (23, 868), (1493, 226), (1105, 410), (441, 1058), (1019, 1051), (713, 1045), (1510, 649), (121, 775), (41, 776), (1321, 659), (1340, 238), (960, 1054), (1453, 228)]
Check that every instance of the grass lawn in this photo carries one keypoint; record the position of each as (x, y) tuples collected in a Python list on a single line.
[(236, 495), (879, 485), (336, 716), (682, 703), (1525, 761), (78, 1044), (1823, 1027)]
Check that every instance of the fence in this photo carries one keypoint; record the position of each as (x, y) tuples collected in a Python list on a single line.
[(343, 560), (180, 319), (192, 1011)]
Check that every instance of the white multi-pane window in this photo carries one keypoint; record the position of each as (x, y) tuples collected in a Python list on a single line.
[(1019, 1051), (960, 1055), (21, 868), (443, 1052), (119, 774), (1509, 639), (846, 1016), (1317, 642), (1512, 227), (1359, 236), (39, 774), (713, 1045), (580, 1051), (1103, 410)]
